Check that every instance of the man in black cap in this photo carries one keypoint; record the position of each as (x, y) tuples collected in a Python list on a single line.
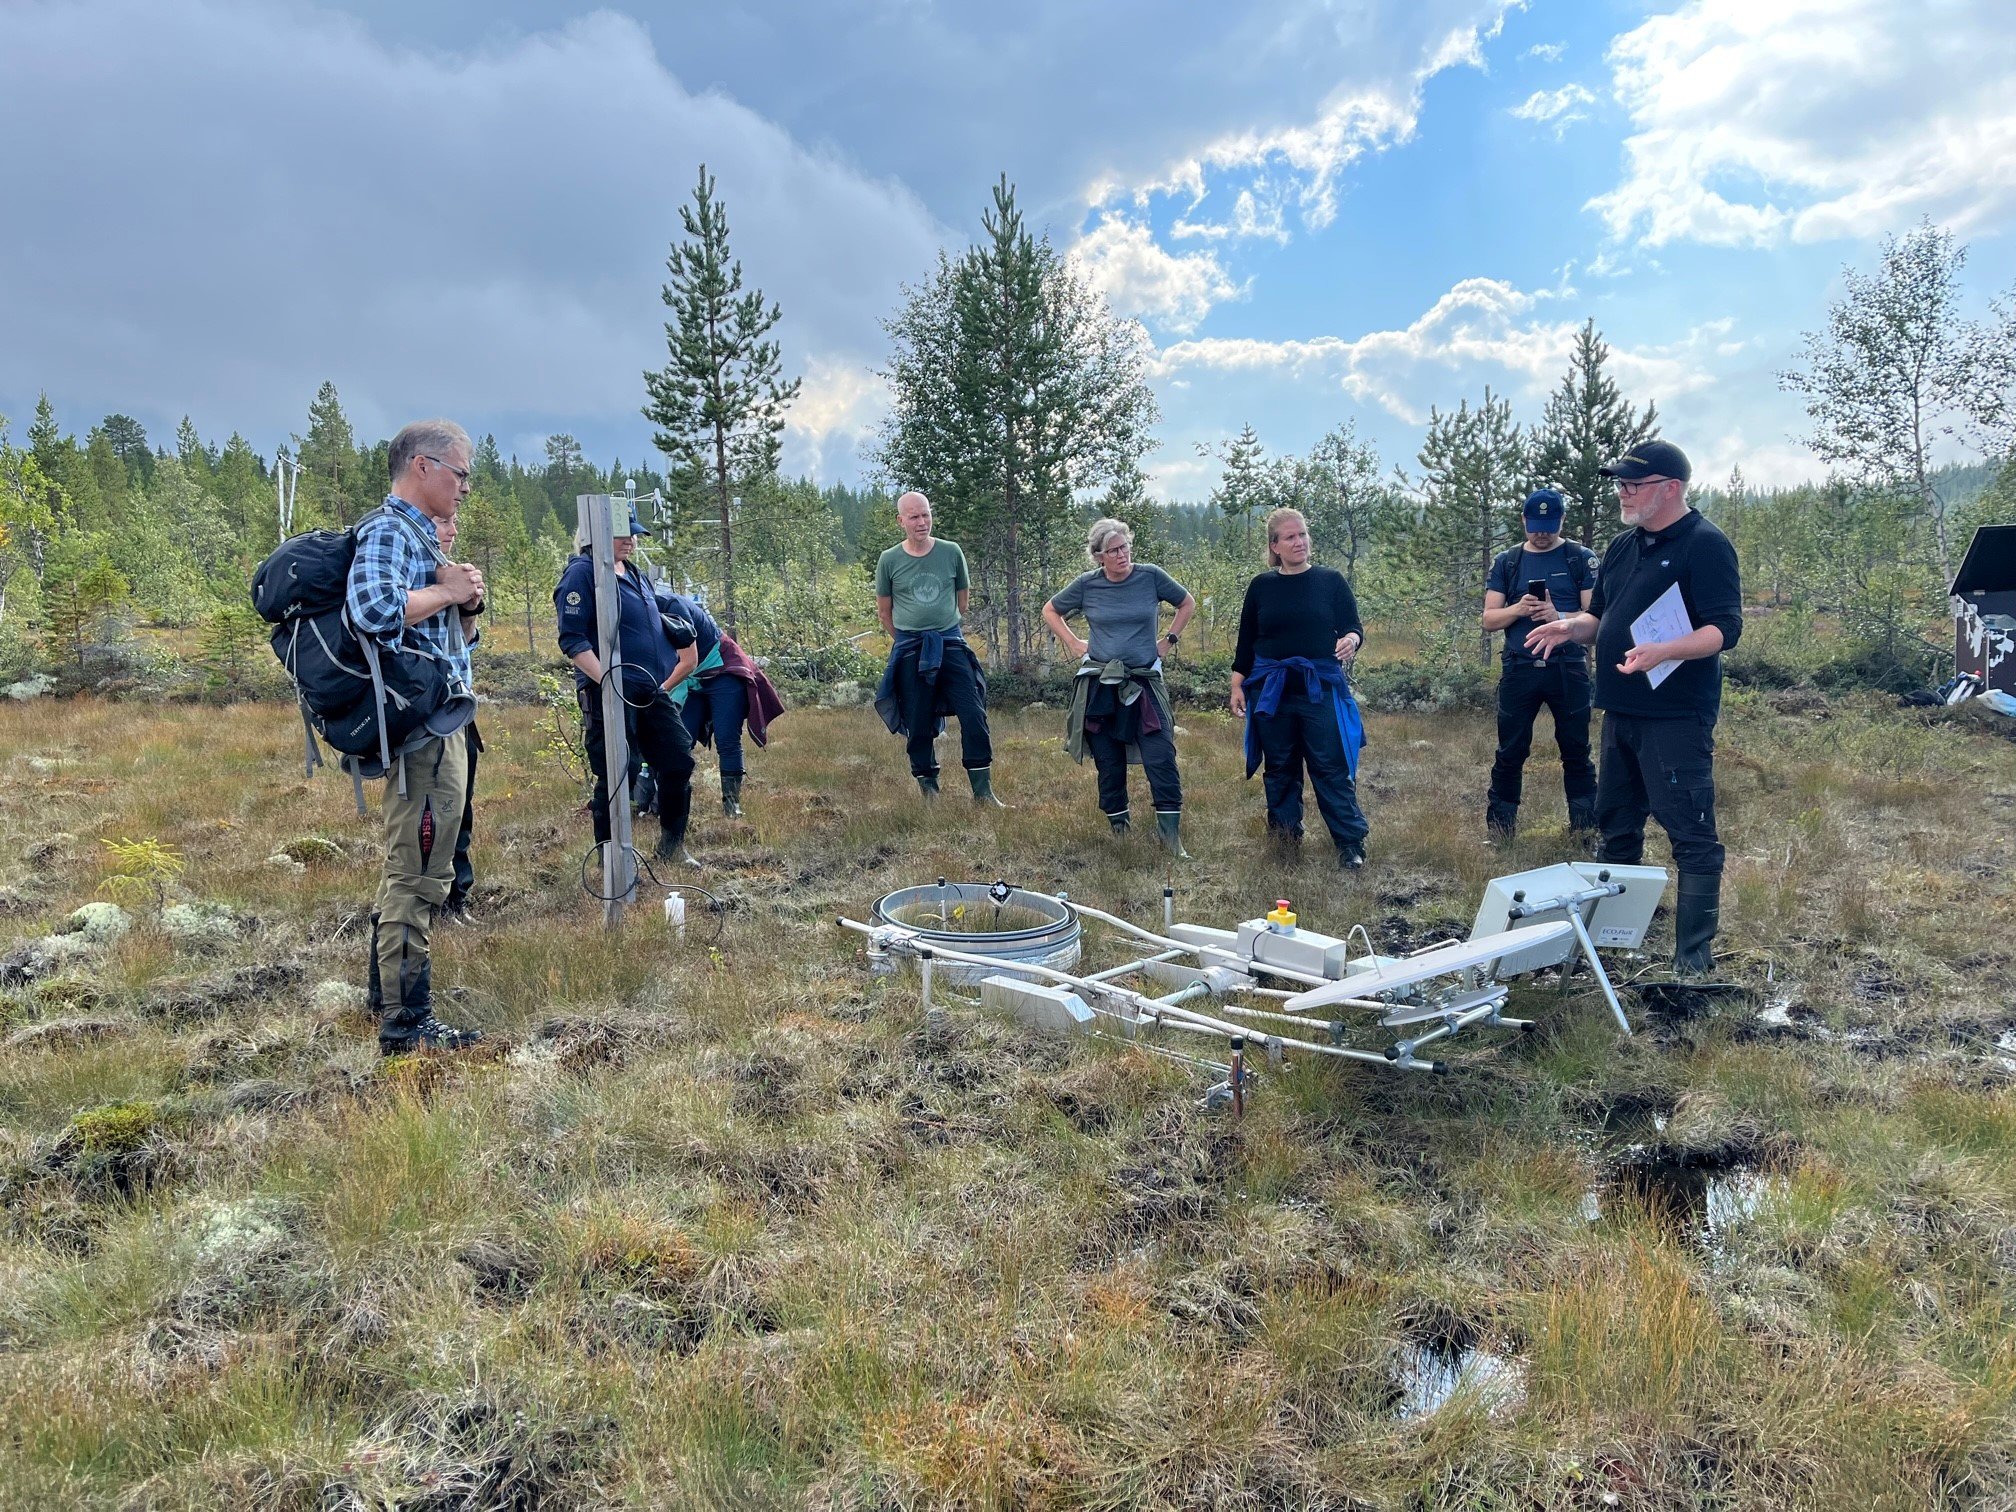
[(1531, 585), (1660, 691)]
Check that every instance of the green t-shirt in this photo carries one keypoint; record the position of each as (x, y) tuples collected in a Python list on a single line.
[(922, 591)]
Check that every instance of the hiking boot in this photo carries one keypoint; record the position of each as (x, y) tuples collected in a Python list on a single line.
[(1582, 816), (1351, 856), (456, 911), (982, 779), (731, 794), (429, 1036), (1285, 838), (927, 784), (1169, 830)]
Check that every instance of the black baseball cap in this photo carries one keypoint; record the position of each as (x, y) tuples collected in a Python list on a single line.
[(1650, 459)]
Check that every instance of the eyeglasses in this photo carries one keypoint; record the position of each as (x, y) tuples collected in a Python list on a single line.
[(1626, 487), (461, 473), (1117, 550)]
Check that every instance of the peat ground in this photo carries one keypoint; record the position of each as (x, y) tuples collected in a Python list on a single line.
[(735, 1224)]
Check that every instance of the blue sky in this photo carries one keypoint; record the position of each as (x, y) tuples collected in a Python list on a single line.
[(1320, 212)]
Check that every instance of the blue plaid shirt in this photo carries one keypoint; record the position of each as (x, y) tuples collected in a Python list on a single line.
[(397, 551)]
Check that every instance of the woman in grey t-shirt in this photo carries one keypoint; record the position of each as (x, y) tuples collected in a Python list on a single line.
[(1119, 708)]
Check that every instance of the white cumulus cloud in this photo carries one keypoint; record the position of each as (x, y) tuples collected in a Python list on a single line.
[(1122, 260), (1376, 107), (1483, 330), (1813, 119), (1559, 108)]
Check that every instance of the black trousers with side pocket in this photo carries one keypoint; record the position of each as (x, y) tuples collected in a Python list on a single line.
[(1662, 769), (1524, 689)]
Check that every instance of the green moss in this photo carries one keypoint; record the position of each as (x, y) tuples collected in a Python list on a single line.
[(117, 1127)]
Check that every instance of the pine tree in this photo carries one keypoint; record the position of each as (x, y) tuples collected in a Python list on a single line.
[(1587, 423), (246, 493), (128, 440), (1473, 473), (1346, 500), (1015, 388), (719, 402), (1242, 492)]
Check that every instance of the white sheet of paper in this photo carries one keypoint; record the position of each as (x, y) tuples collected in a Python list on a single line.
[(1665, 620)]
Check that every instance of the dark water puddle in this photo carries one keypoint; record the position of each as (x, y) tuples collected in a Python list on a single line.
[(1699, 1202), (1430, 1375)]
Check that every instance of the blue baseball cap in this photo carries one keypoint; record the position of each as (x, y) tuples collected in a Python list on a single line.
[(1544, 509), (636, 525)]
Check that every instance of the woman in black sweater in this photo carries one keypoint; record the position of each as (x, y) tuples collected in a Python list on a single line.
[(1298, 631)]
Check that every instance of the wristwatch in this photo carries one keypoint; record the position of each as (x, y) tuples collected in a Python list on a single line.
[(1173, 638)]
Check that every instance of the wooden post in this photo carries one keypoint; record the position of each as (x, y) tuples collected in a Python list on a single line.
[(619, 866)]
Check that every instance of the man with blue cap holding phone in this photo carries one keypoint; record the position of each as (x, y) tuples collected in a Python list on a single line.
[(1536, 583)]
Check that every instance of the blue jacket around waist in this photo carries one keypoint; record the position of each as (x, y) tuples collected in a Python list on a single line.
[(1319, 682), (929, 648)]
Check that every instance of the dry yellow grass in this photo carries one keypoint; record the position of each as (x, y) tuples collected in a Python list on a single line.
[(730, 1225)]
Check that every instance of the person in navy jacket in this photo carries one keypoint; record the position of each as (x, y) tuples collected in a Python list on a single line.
[(657, 651)]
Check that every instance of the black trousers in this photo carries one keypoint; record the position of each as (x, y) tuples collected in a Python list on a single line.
[(959, 686), (1663, 769), (465, 873), (1524, 689), (656, 731), (721, 701), (1158, 761), (1303, 732)]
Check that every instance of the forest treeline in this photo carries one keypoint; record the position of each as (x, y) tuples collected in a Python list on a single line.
[(1020, 403)]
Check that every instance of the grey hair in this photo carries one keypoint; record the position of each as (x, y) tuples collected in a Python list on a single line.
[(1101, 532), (424, 438)]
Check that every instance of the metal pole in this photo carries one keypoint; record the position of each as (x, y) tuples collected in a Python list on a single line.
[(619, 864)]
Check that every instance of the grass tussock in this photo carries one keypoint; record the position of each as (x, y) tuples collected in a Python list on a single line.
[(728, 1221)]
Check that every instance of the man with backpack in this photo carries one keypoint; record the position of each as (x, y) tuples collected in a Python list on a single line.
[(403, 590)]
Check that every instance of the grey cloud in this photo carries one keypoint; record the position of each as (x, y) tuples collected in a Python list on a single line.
[(225, 205)]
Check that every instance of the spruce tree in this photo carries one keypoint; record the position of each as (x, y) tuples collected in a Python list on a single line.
[(328, 458), (1587, 423), (44, 435), (719, 402)]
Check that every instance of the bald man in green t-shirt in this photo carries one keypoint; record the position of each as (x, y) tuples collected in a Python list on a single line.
[(921, 585)]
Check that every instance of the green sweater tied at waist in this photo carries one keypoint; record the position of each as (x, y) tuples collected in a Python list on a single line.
[(1102, 686)]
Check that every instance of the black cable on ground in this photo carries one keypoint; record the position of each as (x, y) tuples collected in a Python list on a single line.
[(711, 906)]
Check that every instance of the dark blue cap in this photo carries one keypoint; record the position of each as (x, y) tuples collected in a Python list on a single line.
[(636, 525), (1544, 509)]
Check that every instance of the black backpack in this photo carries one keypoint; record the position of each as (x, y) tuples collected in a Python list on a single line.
[(366, 699)]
